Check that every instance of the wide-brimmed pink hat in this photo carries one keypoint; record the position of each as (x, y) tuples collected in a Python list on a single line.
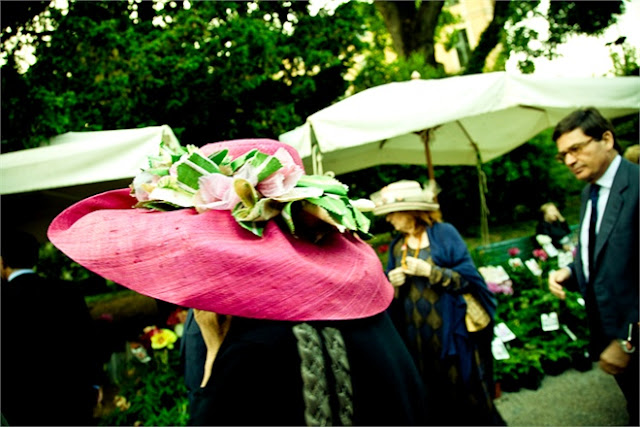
[(212, 258)]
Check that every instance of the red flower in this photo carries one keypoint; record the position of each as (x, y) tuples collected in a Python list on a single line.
[(179, 315), (147, 333), (540, 254), (383, 248), (514, 251)]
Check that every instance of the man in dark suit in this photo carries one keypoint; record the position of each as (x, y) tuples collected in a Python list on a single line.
[(606, 265), (48, 366)]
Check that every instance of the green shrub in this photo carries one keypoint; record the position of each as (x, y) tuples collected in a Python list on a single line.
[(155, 392)]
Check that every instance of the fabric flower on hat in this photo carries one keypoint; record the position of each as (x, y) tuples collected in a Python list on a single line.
[(216, 192), (282, 180), (254, 187), (290, 265)]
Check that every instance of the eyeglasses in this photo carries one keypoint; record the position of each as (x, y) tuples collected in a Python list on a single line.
[(574, 150)]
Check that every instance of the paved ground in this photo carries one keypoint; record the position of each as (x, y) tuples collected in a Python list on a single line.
[(573, 398)]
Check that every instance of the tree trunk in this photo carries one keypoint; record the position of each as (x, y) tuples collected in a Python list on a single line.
[(489, 39), (412, 29)]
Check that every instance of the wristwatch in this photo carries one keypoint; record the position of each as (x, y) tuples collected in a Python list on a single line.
[(626, 345)]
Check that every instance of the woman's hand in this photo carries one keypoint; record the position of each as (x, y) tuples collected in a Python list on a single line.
[(417, 267), (397, 277)]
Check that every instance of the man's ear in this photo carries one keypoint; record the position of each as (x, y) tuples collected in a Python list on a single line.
[(607, 138)]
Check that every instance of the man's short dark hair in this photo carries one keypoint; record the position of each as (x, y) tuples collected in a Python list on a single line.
[(19, 249), (591, 122)]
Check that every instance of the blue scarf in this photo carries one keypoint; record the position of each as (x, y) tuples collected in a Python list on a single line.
[(448, 250)]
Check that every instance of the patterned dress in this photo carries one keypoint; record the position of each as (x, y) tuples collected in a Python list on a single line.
[(456, 366)]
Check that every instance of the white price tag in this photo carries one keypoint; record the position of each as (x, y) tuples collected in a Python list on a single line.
[(550, 250), (499, 350), (550, 321), (502, 331), (564, 259), (515, 262), (533, 266)]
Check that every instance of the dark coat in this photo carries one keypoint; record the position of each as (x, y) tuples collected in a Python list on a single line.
[(556, 230), (48, 360), (257, 377), (615, 281), (193, 352)]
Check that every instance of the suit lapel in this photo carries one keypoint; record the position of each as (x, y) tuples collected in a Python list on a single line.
[(614, 206)]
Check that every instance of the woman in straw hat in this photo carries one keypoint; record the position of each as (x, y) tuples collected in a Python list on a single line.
[(442, 307), (291, 302)]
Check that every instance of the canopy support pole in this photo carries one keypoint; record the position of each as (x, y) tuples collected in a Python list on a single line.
[(482, 187), (424, 135)]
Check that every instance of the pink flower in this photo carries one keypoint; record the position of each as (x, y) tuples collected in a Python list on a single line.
[(215, 192), (284, 179), (514, 251), (494, 287), (540, 254), (501, 288)]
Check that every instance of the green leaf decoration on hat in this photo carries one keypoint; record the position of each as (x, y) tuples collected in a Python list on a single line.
[(288, 219), (192, 168), (265, 164), (182, 177), (326, 183), (220, 158)]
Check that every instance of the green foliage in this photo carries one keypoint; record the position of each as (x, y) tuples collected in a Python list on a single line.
[(377, 72), (535, 353), (577, 17), (625, 63), (215, 71), (53, 263), (156, 392), (565, 18)]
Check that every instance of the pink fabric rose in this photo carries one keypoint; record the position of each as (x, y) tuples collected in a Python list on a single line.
[(284, 179), (216, 192)]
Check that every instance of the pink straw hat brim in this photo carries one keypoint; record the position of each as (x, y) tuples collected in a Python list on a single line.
[(207, 261)]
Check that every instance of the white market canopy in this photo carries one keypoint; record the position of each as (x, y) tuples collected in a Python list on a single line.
[(76, 158), (463, 117), (37, 184)]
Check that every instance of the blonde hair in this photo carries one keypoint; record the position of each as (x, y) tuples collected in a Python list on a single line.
[(632, 153), (546, 207), (426, 219)]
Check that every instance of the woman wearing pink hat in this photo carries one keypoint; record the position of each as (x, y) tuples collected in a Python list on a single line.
[(291, 302), (442, 307)]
